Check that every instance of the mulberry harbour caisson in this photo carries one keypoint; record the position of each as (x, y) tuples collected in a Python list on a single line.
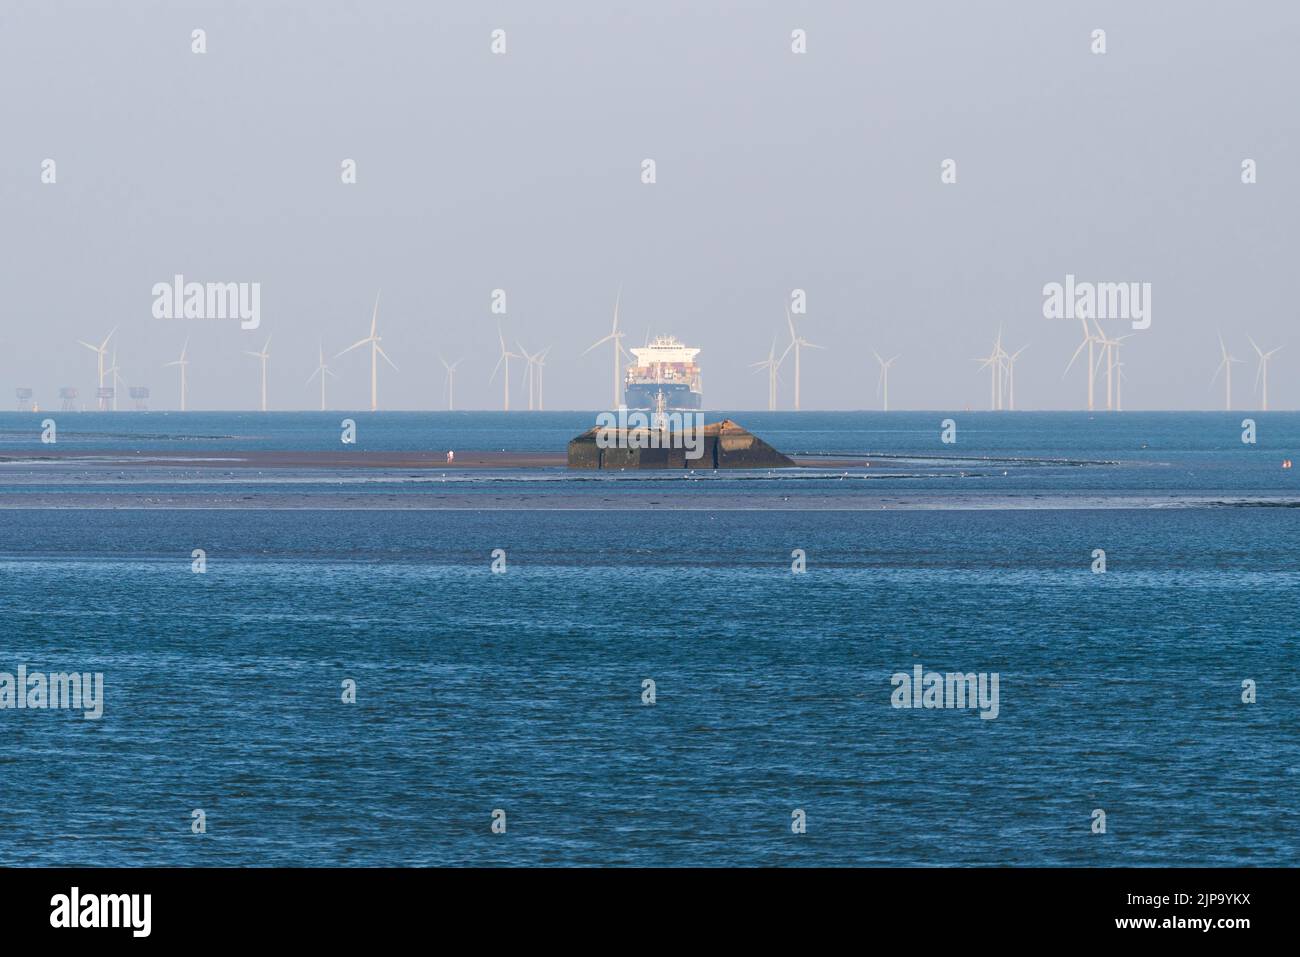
[(664, 368)]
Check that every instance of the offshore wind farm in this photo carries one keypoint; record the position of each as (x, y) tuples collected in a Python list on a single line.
[(1097, 355)]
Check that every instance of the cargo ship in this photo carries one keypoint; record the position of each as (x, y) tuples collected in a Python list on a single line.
[(664, 368)]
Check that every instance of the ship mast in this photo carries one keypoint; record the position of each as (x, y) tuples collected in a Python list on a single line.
[(661, 416)]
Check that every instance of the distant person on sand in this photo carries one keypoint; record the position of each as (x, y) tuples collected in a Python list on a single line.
[(451, 456)]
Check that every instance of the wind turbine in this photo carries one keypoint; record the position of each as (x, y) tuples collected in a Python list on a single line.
[(1261, 374), (1119, 386), (376, 350), (528, 372), (1111, 355), (883, 381), (541, 366), (1088, 340), (771, 364), (182, 362), (451, 380), (506, 356), (797, 343), (264, 355), (1225, 365), (616, 337), (101, 351), (322, 370), (115, 377), (996, 363), (1010, 361)]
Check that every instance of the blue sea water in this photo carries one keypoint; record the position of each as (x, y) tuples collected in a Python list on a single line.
[(523, 691)]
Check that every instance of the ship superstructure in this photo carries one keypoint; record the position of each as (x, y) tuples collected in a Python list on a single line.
[(664, 376)]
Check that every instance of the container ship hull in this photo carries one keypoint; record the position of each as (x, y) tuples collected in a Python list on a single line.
[(678, 397), (664, 374)]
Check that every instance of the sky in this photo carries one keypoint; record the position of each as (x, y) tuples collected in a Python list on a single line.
[(774, 171)]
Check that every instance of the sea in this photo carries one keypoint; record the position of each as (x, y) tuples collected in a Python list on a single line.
[(402, 667)]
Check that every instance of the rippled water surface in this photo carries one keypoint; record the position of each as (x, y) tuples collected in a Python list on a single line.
[(523, 691)]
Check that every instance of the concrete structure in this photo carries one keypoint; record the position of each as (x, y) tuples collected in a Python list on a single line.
[(724, 445)]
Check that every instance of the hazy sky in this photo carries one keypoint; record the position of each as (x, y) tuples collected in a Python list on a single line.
[(775, 171)]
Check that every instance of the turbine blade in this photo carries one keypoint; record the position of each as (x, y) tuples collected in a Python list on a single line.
[(599, 342), (1068, 365), (359, 342), (380, 350)]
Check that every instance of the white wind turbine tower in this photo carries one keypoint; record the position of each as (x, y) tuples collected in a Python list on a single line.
[(506, 356), (264, 355), (1261, 374), (771, 364), (883, 382), (541, 367), (797, 343), (1225, 366), (1090, 341), (182, 362), (115, 377), (616, 337), (451, 380), (376, 350), (993, 362), (322, 370), (1119, 386), (101, 351), (1010, 361), (1111, 355), (528, 377)]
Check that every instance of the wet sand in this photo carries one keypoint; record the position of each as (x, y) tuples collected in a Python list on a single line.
[(271, 459), (358, 479), (354, 459)]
